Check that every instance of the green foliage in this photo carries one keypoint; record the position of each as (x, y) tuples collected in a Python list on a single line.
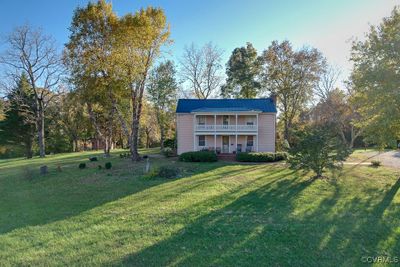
[(291, 76), (375, 80), (82, 165), (198, 156), (17, 130), (108, 165), (93, 158), (167, 172), (168, 152), (319, 148), (242, 70), (260, 156), (170, 142)]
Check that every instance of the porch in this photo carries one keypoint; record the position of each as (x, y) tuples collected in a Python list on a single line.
[(226, 123), (226, 143)]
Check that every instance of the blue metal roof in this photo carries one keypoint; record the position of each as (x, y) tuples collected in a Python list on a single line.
[(228, 105)]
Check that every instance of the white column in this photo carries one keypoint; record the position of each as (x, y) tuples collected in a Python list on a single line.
[(236, 121)]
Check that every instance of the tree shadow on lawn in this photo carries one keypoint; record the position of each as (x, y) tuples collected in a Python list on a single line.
[(274, 226), (58, 196)]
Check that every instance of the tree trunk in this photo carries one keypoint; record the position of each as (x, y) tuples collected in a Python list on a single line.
[(40, 124), (75, 145), (29, 144)]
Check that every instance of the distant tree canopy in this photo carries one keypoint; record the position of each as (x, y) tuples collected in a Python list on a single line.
[(242, 71), (375, 80)]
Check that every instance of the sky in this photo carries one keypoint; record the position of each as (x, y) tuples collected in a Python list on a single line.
[(328, 25)]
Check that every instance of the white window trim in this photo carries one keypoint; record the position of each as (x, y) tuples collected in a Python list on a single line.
[(201, 117), (205, 141), (247, 136)]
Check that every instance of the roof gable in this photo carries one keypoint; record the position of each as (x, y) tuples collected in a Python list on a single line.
[(227, 105)]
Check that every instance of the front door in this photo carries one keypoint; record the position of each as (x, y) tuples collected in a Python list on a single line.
[(225, 144)]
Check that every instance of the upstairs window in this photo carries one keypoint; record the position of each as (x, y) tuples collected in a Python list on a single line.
[(250, 140), (202, 140), (201, 120), (225, 120), (250, 120)]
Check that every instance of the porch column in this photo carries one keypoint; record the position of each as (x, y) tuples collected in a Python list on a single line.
[(236, 144), (215, 135)]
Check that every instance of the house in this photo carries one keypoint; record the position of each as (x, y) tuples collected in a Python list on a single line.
[(226, 125)]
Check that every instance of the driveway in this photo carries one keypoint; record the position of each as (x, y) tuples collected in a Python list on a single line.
[(387, 158)]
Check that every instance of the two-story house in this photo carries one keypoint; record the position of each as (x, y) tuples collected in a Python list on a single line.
[(226, 125)]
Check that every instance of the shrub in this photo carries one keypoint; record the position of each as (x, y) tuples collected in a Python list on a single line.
[(82, 165), (198, 156), (167, 172), (318, 148), (169, 143), (376, 163), (93, 158), (108, 165), (168, 152), (260, 156)]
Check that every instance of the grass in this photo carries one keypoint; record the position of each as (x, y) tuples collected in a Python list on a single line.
[(218, 214)]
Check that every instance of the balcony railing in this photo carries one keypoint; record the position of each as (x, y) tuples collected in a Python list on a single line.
[(226, 128)]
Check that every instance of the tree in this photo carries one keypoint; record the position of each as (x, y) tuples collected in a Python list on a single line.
[(327, 83), (291, 76), (319, 148), (18, 126), (90, 57), (150, 132), (140, 37), (34, 53), (336, 109), (201, 67), (162, 89), (375, 80), (242, 70)]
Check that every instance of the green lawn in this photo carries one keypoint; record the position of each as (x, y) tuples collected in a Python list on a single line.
[(217, 214)]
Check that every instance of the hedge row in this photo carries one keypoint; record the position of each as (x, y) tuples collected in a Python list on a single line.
[(198, 156), (261, 156)]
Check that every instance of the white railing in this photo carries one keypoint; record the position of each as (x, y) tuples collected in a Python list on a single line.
[(226, 128)]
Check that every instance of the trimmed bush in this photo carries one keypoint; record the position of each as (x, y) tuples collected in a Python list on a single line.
[(168, 152), (260, 156), (167, 172), (198, 156), (169, 143), (108, 165), (82, 165), (93, 158)]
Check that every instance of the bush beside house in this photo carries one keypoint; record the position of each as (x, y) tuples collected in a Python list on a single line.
[(198, 156), (261, 156)]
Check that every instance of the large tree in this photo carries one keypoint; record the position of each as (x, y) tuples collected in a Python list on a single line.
[(90, 57), (18, 127), (291, 76), (140, 37), (375, 80), (162, 89), (201, 68), (242, 70), (34, 53)]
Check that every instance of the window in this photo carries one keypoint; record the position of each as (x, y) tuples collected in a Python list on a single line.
[(225, 120), (201, 120), (250, 120), (202, 140), (250, 140)]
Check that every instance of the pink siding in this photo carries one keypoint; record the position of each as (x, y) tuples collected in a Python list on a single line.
[(184, 127), (266, 132)]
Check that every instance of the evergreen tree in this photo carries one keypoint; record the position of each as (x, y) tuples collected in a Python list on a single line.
[(18, 127)]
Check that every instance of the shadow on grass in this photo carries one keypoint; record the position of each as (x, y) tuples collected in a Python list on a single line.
[(263, 228), (58, 196)]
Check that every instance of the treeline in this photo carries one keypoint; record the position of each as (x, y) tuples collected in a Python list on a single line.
[(112, 86)]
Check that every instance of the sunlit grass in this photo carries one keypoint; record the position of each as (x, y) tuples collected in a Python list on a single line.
[(218, 214)]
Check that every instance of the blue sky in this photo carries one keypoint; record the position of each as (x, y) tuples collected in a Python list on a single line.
[(326, 25)]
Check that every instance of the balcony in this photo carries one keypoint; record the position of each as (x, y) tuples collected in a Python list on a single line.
[(225, 128)]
